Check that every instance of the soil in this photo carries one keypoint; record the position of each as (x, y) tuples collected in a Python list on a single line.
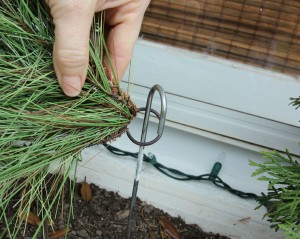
[(105, 217)]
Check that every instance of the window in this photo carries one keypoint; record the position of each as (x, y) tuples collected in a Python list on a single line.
[(264, 33)]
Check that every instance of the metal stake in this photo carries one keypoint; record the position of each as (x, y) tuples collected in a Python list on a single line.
[(142, 143)]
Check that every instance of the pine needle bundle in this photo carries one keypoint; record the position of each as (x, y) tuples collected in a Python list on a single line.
[(39, 125)]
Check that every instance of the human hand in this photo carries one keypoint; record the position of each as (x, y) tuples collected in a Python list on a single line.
[(73, 20)]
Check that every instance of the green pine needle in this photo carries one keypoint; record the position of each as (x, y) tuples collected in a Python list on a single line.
[(39, 125)]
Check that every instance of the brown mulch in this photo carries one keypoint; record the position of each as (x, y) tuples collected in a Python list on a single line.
[(105, 217)]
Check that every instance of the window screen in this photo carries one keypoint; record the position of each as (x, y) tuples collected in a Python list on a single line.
[(265, 33)]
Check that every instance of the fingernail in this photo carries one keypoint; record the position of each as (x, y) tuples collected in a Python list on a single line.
[(71, 85)]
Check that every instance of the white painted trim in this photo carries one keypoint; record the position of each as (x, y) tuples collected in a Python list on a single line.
[(216, 98)]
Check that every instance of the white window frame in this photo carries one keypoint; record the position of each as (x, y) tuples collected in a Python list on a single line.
[(216, 98)]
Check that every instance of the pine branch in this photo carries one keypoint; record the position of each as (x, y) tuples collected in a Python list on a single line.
[(40, 126), (283, 175)]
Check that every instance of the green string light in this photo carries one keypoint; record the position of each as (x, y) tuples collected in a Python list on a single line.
[(178, 175)]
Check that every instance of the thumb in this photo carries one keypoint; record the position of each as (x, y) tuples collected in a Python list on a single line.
[(73, 20)]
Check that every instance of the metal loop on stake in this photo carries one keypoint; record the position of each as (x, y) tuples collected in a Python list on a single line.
[(161, 116), (145, 143)]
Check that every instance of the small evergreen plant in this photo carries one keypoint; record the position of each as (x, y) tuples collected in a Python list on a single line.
[(42, 132), (283, 197)]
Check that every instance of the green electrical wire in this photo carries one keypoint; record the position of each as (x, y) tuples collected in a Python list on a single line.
[(178, 175)]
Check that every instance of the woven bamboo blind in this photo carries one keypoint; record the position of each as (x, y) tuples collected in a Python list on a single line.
[(264, 33)]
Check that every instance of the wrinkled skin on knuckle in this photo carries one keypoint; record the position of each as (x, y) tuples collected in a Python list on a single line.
[(64, 8), (136, 6), (131, 11), (72, 58)]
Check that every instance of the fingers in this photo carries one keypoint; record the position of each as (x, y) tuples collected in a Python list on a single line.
[(125, 23), (73, 20)]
